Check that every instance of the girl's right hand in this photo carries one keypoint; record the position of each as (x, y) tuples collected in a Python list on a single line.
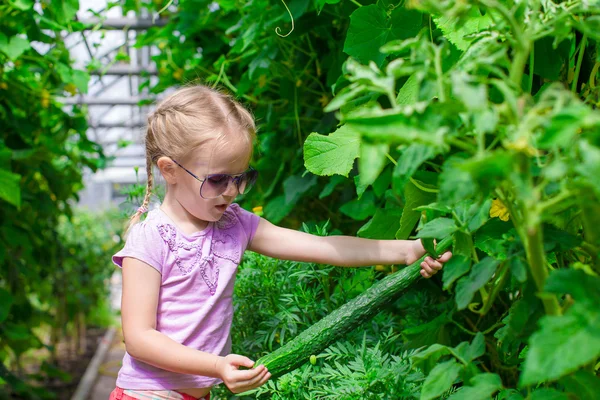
[(239, 381)]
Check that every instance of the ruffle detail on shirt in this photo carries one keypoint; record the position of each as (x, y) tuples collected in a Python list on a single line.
[(226, 246), (206, 264)]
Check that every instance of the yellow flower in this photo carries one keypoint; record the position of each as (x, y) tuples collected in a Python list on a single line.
[(71, 88), (258, 211), (45, 98), (262, 81), (324, 100), (178, 74), (499, 210)]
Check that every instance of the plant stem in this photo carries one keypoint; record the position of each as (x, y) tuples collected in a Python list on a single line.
[(534, 248), (579, 61), (440, 74), (531, 68)]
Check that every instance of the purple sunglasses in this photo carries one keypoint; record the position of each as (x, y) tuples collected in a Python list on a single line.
[(215, 185)]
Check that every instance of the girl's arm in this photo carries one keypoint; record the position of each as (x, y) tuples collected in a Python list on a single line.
[(139, 302), (349, 251)]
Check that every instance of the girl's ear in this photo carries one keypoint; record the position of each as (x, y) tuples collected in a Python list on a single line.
[(167, 169)]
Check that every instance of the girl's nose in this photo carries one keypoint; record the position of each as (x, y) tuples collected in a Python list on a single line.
[(232, 189)]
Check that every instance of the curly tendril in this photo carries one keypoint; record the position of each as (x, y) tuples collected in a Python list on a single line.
[(277, 30)]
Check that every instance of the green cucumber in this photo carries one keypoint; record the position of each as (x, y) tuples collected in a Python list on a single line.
[(362, 308)]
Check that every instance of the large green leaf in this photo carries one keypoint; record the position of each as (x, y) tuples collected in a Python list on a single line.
[(454, 269), (479, 276), (574, 342), (440, 379), (371, 27), (332, 154), (438, 228), (383, 225), (584, 384), (10, 189)]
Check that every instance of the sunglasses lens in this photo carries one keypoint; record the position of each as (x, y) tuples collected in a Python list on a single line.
[(216, 185), (247, 181)]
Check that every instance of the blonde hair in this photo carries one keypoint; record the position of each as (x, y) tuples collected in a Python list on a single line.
[(185, 120)]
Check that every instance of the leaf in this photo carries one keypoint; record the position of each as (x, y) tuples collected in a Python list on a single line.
[(332, 154), (457, 31), (392, 126), (549, 60), (409, 92), (477, 215), (573, 338), (561, 129), (295, 186), (64, 10), (370, 28), (13, 47), (589, 167), (456, 267), (426, 359), (371, 162), (479, 276), (383, 225), (481, 386), (80, 79), (414, 198), (428, 333), (277, 209), (333, 182), (520, 322), (360, 188), (360, 209), (456, 184), (10, 189), (477, 347), (584, 384), (463, 244), (440, 379), (473, 95), (429, 247), (489, 169), (410, 160), (382, 183), (584, 288), (548, 394), (439, 228)]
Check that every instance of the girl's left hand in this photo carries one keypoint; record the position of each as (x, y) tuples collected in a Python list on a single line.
[(429, 266)]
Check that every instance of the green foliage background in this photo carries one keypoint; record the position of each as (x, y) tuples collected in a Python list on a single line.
[(413, 119)]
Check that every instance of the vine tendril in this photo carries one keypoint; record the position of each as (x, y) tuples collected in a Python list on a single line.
[(278, 30)]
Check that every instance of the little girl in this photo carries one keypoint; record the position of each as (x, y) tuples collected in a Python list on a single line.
[(179, 264)]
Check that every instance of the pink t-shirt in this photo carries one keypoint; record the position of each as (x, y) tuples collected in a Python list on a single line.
[(195, 300)]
